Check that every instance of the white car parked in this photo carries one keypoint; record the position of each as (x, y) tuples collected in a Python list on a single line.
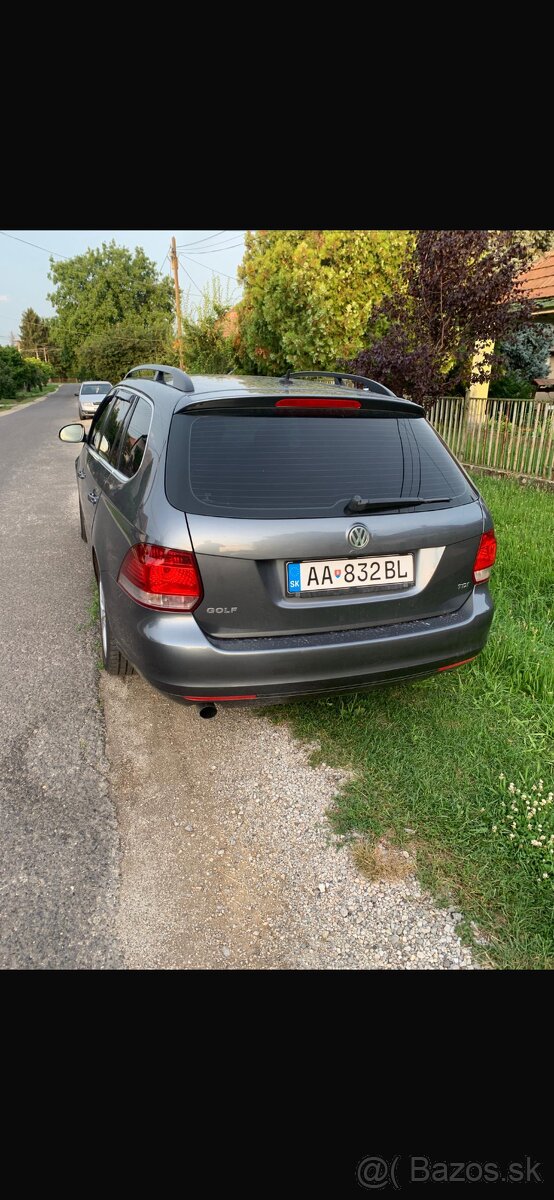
[(91, 394)]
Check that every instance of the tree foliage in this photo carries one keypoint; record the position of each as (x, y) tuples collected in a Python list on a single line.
[(19, 374), (210, 334), (521, 360), (34, 332), (528, 350), (309, 293), (101, 290), (110, 353), (459, 288)]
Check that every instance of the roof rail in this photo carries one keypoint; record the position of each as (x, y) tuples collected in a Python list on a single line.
[(338, 377), (182, 382)]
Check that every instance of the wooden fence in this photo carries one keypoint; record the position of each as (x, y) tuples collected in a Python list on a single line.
[(505, 435)]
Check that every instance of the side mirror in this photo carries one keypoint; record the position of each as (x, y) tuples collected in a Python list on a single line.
[(72, 433), (75, 393)]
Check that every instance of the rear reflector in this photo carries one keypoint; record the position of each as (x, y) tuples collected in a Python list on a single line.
[(161, 578), (209, 699), (486, 555), (458, 664), (315, 402)]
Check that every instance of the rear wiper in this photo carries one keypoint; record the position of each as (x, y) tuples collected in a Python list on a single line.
[(358, 505)]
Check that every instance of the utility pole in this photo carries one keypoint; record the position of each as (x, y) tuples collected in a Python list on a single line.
[(175, 269)]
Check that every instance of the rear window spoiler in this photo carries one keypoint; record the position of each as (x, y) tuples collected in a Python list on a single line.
[(274, 404)]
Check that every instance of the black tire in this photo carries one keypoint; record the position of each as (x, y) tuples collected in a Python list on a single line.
[(113, 661), (82, 523)]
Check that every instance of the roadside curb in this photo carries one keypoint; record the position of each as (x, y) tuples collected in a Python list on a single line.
[(29, 403)]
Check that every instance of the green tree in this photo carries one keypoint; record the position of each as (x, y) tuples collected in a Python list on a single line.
[(309, 293), (16, 373), (209, 333), (34, 334), (102, 289), (37, 373), (112, 352), (30, 331)]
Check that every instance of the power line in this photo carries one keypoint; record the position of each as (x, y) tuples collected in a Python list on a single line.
[(237, 233), (233, 278), (207, 239), (199, 290), (25, 243), (214, 249)]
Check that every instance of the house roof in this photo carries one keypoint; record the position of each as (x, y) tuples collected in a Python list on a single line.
[(538, 282)]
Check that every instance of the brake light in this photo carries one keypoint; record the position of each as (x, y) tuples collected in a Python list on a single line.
[(486, 555), (161, 578), (315, 402)]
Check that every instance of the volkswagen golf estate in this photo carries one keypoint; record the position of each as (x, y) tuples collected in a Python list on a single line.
[(261, 539)]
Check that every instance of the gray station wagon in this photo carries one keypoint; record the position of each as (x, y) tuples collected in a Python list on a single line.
[(261, 539)]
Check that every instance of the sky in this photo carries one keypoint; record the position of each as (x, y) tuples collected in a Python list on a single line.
[(24, 282)]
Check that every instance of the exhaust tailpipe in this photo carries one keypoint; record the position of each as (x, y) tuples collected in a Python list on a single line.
[(207, 711)]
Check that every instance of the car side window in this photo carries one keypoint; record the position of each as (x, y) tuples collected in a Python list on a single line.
[(97, 429), (135, 438), (106, 439)]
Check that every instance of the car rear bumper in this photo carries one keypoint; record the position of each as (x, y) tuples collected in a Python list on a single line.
[(174, 655)]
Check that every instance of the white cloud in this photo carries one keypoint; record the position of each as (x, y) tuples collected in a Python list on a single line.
[(4, 299)]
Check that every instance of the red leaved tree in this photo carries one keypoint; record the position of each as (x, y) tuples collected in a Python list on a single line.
[(459, 287)]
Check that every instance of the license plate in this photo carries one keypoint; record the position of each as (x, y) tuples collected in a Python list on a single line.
[(336, 574)]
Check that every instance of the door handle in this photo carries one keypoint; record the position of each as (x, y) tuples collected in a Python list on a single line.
[(82, 474), (93, 497)]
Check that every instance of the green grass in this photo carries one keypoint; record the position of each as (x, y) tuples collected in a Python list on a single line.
[(429, 757), (25, 397)]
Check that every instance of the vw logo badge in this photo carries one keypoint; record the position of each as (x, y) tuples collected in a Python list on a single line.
[(358, 536)]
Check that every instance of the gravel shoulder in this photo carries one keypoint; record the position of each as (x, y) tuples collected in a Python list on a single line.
[(228, 861)]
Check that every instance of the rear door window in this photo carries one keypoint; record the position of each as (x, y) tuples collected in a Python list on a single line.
[(135, 437), (288, 466), (107, 433), (97, 428)]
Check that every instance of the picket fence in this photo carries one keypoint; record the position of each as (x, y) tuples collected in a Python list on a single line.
[(516, 436)]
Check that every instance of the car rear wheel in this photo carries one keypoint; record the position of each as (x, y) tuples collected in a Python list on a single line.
[(114, 662)]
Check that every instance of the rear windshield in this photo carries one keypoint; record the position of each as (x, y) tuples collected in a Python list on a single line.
[(95, 389), (304, 466)]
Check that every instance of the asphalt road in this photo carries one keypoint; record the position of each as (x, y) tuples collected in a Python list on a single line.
[(58, 833)]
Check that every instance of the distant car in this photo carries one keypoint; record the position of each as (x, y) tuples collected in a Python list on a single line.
[(261, 539), (91, 394)]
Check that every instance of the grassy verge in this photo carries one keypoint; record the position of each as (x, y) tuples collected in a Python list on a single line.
[(438, 758), (25, 397)]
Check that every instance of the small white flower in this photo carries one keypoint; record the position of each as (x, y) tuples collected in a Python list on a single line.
[(494, 828)]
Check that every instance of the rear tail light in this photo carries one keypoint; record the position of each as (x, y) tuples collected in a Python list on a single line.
[(315, 402), (486, 555), (161, 578)]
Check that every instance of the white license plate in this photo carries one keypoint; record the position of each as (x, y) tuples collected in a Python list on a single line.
[(336, 574)]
